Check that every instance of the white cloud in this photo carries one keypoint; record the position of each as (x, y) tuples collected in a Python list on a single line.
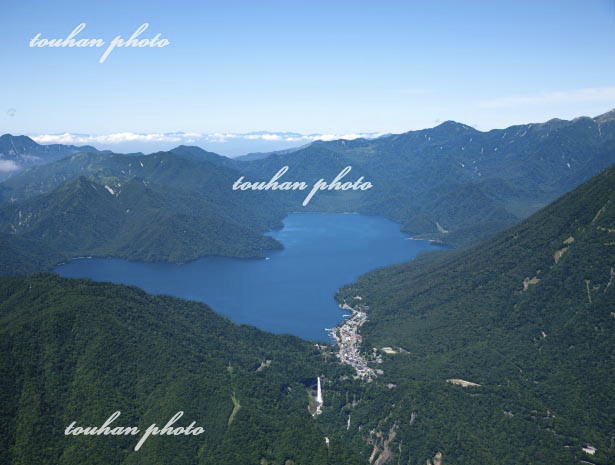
[(7, 166), (104, 139), (589, 94), (272, 137), (107, 140)]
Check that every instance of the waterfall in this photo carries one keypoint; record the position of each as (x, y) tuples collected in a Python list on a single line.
[(318, 398)]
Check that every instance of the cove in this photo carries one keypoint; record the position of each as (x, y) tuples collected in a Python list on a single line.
[(289, 292)]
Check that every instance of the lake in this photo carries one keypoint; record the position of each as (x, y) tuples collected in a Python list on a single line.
[(289, 292)]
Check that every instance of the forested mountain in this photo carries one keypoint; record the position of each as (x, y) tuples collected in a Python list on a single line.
[(190, 169), (73, 350), (138, 221), (159, 207), (527, 316), (452, 181)]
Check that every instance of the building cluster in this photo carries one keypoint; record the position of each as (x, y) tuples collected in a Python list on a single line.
[(349, 340)]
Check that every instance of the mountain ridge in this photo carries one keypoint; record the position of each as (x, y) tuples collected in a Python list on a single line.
[(516, 170), (450, 183)]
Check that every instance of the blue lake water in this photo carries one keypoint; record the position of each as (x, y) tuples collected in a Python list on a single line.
[(291, 291)]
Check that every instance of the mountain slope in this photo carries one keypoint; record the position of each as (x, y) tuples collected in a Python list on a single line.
[(137, 220), (73, 350), (186, 173), (498, 177), (160, 207), (19, 152), (528, 316)]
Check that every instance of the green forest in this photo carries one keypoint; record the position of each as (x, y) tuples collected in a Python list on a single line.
[(74, 350), (528, 316)]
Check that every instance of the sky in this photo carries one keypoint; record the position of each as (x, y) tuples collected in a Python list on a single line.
[(332, 68)]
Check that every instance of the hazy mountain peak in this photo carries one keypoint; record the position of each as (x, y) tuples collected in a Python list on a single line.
[(608, 116), (18, 152), (16, 143), (195, 152), (454, 126)]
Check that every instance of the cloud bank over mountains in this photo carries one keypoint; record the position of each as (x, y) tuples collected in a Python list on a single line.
[(230, 144)]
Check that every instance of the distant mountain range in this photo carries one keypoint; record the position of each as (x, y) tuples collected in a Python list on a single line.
[(262, 155), (231, 144), (450, 183), (453, 182)]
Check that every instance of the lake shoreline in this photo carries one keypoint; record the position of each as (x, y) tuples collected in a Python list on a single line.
[(285, 291)]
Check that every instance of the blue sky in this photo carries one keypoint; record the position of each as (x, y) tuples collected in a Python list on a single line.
[(334, 67)]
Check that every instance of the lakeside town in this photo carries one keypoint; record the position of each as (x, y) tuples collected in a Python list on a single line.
[(349, 340)]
